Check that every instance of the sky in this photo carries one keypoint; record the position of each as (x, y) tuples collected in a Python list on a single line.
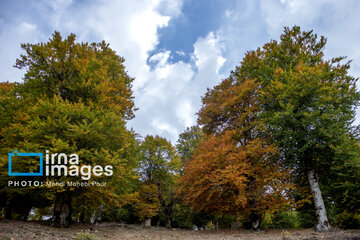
[(176, 49)]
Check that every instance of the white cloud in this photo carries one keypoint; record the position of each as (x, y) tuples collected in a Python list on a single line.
[(170, 100), (208, 60), (180, 53), (170, 8), (229, 13), (185, 112), (26, 28), (164, 127), (58, 10), (160, 58)]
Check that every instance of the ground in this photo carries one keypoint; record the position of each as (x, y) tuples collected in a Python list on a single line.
[(30, 230)]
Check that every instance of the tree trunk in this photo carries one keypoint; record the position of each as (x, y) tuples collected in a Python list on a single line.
[(97, 215), (62, 209), (255, 220), (256, 224), (168, 221), (25, 212), (236, 225), (147, 222), (323, 224), (8, 210), (82, 217)]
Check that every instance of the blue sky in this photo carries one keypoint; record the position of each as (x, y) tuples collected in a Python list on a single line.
[(176, 49), (196, 20)]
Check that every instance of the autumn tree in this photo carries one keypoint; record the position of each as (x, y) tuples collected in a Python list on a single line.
[(75, 98), (159, 166), (308, 105), (76, 72), (234, 170), (146, 202)]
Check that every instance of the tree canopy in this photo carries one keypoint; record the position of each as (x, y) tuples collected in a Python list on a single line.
[(75, 98)]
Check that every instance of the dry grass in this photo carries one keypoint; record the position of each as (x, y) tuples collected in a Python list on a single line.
[(29, 230)]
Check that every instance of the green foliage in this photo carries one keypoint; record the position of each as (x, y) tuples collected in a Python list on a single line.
[(200, 219), (309, 102), (224, 222), (307, 216), (282, 219), (158, 160), (188, 141), (124, 214), (85, 236), (75, 98), (96, 135), (8, 104), (182, 217), (344, 176), (159, 170), (77, 72), (348, 220)]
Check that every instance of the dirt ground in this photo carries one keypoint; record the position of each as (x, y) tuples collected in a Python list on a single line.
[(29, 230)]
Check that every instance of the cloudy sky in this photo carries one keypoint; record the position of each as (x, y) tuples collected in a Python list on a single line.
[(175, 49)]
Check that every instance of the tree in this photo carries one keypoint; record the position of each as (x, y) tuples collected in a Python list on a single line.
[(90, 73), (188, 141), (76, 98), (308, 105), (234, 170), (146, 202), (159, 166)]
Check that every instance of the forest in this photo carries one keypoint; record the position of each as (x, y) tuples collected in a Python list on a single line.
[(274, 145)]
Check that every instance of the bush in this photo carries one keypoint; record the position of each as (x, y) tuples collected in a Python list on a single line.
[(307, 219), (283, 219), (182, 217), (85, 236), (124, 214), (225, 222), (348, 220)]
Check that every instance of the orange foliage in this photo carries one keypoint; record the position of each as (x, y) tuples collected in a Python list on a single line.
[(145, 201), (226, 179), (234, 171)]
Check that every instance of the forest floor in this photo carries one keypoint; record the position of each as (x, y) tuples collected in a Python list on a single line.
[(15, 230)]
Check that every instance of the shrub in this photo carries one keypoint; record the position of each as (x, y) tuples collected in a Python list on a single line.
[(348, 220), (85, 236), (283, 219)]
